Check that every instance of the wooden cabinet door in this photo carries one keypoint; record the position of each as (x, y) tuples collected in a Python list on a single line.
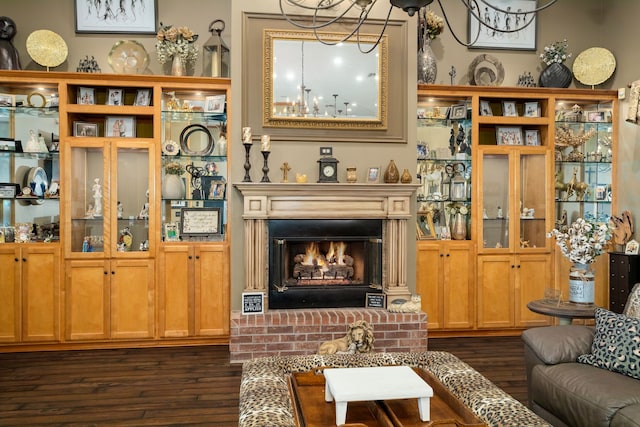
[(175, 291), (132, 298), (534, 275), (495, 291), (458, 286), (40, 293), (87, 299), (10, 299), (429, 277), (211, 290)]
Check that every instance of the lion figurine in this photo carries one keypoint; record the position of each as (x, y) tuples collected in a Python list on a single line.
[(359, 339)]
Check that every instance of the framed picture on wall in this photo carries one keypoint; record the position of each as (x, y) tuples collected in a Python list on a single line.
[(109, 17), (487, 26)]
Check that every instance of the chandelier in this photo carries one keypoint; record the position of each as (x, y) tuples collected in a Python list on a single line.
[(319, 14)]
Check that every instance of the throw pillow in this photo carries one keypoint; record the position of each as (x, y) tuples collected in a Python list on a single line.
[(616, 344), (632, 307)]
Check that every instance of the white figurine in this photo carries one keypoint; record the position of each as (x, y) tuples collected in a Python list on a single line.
[(120, 210), (97, 197), (484, 213), (144, 213), (500, 214)]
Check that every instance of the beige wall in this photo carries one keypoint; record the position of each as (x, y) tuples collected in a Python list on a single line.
[(585, 23)]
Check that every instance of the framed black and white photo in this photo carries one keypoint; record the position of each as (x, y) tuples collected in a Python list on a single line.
[(86, 96), (532, 137), (485, 108), (509, 109), (503, 24), (85, 129), (215, 104), (143, 98), (120, 126), (532, 109), (8, 144), (115, 97), (116, 17), (509, 135), (458, 112)]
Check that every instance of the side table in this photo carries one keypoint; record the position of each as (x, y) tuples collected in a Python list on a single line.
[(565, 311)]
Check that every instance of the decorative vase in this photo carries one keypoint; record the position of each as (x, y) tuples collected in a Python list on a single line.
[(555, 75), (391, 174), (352, 175), (177, 66), (405, 178), (427, 67), (581, 284), (459, 227), (173, 187)]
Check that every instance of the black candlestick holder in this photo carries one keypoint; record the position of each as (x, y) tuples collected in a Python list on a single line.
[(265, 168), (247, 163)]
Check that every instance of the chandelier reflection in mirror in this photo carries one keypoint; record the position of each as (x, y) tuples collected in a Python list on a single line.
[(320, 14)]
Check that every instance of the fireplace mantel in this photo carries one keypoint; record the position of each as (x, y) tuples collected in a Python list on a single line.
[(389, 202)]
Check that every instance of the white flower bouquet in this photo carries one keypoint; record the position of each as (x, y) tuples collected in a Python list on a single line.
[(556, 52), (583, 241)]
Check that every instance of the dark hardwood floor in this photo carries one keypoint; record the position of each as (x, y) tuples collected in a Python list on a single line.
[(176, 385)]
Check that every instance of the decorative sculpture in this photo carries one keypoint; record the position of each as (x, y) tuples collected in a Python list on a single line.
[(359, 339), (9, 58)]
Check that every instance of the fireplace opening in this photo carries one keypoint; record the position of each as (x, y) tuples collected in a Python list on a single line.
[(324, 263)]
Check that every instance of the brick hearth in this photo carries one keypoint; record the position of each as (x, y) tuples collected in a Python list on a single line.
[(300, 332)]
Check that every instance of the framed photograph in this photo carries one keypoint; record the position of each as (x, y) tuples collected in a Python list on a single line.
[(7, 100), (601, 192), (125, 17), (200, 222), (532, 137), (9, 190), (120, 126), (532, 109), (215, 104), (509, 109), (458, 112), (85, 129), (86, 96), (373, 174), (8, 144), (481, 36), (213, 187), (171, 232), (423, 152), (509, 135), (143, 98), (115, 97), (596, 116), (632, 247), (485, 108)]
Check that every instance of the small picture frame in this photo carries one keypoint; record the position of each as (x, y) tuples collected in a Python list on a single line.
[(7, 100), (375, 300), (631, 248), (373, 175), (509, 109), (423, 152), (596, 116), (458, 112), (213, 187), (215, 104), (532, 109), (532, 137), (252, 303), (509, 135), (115, 97), (120, 126), (85, 129), (7, 144), (86, 96), (171, 232), (485, 108), (143, 98)]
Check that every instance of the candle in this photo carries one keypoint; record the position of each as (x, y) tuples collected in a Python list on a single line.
[(266, 143), (246, 135)]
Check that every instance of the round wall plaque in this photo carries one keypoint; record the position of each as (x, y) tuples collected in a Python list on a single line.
[(47, 48), (594, 66)]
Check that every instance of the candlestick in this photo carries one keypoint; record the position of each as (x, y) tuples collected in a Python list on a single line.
[(266, 143), (265, 168), (246, 135), (247, 163)]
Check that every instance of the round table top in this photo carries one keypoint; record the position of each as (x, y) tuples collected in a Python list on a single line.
[(563, 309)]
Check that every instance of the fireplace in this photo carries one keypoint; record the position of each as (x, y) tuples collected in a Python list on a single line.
[(324, 263)]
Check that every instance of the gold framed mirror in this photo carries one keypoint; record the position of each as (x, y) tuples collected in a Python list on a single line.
[(309, 84)]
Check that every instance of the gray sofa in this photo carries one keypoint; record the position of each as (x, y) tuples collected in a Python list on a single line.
[(568, 393)]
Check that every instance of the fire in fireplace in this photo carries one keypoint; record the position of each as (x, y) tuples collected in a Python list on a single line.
[(324, 263)]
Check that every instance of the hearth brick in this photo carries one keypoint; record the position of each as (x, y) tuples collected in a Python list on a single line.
[(301, 331)]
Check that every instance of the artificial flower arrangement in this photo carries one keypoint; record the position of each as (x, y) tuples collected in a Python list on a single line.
[(556, 52), (174, 168), (583, 241), (178, 41), (456, 208), (430, 26)]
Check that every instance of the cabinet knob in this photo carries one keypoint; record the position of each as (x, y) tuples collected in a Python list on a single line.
[(190, 257), (197, 256), (16, 259), (441, 255), (24, 260), (113, 272), (448, 255), (518, 265), (106, 272), (513, 266)]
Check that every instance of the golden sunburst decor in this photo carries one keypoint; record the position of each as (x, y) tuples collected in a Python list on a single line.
[(47, 48), (594, 66)]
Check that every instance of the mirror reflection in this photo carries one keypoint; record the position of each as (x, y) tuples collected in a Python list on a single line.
[(307, 82)]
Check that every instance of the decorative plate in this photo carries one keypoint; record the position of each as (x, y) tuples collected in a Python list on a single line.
[(38, 182), (128, 57), (594, 66), (47, 48), (170, 148), (486, 70)]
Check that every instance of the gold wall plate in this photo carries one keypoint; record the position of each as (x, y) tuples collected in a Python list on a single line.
[(594, 66)]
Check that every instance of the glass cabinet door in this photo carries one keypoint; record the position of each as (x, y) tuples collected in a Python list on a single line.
[(532, 200), (495, 196)]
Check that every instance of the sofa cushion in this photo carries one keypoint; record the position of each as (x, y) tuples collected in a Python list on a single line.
[(632, 307), (628, 416), (582, 395), (616, 344), (559, 344)]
